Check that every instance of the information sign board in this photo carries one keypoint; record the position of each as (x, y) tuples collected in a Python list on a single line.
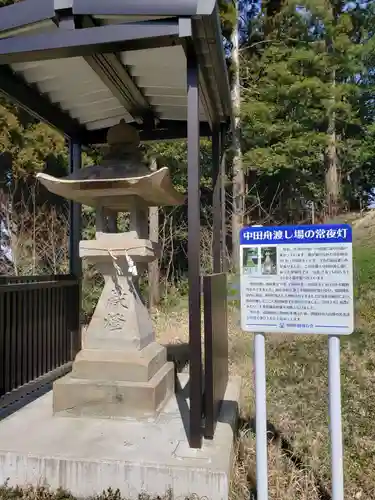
[(297, 279)]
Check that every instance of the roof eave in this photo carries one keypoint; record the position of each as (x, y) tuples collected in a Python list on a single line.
[(203, 13), (18, 15), (213, 53), (182, 8)]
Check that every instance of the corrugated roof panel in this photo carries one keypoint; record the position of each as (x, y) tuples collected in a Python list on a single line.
[(94, 113), (164, 91), (127, 19), (175, 81), (161, 75), (101, 104), (74, 85), (168, 100), (107, 122), (158, 57), (177, 112), (92, 98)]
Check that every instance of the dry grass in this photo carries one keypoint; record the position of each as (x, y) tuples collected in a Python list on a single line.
[(299, 455), (299, 459), (285, 480), (298, 412), (172, 325)]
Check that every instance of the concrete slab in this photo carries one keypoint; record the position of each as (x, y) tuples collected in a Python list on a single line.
[(88, 455)]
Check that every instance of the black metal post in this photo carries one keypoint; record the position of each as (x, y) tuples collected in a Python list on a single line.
[(215, 348), (216, 199), (194, 254), (222, 176), (75, 163), (75, 264)]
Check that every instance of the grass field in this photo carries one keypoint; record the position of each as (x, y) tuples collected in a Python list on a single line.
[(299, 459)]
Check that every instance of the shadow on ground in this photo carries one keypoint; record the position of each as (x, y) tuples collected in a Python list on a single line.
[(179, 354)]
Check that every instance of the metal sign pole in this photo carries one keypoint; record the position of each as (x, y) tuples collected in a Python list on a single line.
[(334, 388), (259, 363), (261, 416)]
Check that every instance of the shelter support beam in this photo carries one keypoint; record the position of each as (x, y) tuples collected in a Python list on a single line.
[(83, 42), (112, 72), (16, 16), (223, 220), (216, 199), (114, 8), (206, 91), (116, 77), (75, 164), (75, 263), (186, 30), (195, 431)]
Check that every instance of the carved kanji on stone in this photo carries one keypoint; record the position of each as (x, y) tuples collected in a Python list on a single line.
[(118, 297), (114, 321)]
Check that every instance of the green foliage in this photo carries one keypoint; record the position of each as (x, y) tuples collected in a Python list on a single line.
[(364, 268), (228, 17), (29, 143), (174, 155), (289, 94), (173, 220)]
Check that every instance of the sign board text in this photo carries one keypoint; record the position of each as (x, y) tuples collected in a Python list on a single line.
[(297, 279)]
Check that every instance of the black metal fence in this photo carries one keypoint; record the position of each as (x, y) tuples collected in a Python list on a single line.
[(215, 348), (39, 332)]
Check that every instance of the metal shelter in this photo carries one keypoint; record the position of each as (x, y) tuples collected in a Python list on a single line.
[(82, 65)]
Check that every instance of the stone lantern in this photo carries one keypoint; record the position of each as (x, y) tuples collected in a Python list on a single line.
[(121, 371)]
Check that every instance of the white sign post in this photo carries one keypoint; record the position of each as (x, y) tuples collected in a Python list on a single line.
[(259, 362), (298, 279)]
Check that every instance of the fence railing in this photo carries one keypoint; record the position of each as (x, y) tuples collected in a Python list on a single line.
[(39, 331)]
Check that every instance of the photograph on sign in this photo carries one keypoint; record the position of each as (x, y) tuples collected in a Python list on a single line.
[(297, 279), (250, 259), (268, 257)]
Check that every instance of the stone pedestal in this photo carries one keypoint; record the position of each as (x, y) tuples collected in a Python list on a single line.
[(122, 371)]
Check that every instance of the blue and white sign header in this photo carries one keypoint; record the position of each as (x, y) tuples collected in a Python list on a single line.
[(285, 235), (297, 279)]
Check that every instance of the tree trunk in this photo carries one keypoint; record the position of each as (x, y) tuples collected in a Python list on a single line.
[(153, 267), (238, 182), (7, 235), (332, 175)]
